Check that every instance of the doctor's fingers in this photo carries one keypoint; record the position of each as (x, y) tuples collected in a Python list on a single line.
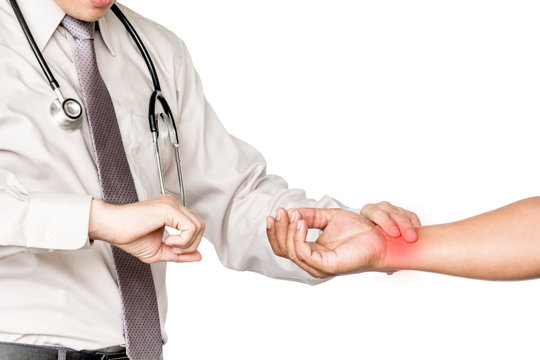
[(187, 240), (189, 224), (167, 253), (310, 254), (281, 226), (394, 221), (190, 232), (380, 215), (197, 220), (406, 225), (271, 235), (181, 245), (274, 243), (294, 218), (276, 231), (173, 208), (297, 232)]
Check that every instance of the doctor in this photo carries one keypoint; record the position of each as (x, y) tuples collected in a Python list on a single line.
[(67, 196)]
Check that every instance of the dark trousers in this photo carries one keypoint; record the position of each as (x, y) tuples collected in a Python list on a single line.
[(12, 351)]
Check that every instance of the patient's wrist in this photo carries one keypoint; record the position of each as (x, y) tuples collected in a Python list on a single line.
[(401, 255)]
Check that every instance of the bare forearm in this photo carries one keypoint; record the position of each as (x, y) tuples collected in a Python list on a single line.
[(503, 244)]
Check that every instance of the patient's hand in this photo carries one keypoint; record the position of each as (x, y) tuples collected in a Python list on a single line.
[(349, 242)]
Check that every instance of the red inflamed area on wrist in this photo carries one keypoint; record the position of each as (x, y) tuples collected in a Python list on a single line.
[(400, 254)]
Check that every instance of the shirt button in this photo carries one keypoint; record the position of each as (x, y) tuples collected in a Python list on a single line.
[(49, 236)]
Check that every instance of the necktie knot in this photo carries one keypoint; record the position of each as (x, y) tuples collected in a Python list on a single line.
[(79, 29)]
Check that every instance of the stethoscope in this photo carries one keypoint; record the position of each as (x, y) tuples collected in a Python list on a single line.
[(67, 113)]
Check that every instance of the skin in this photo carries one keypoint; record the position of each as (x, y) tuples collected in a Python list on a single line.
[(348, 239), (85, 9), (393, 220), (138, 229), (502, 244)]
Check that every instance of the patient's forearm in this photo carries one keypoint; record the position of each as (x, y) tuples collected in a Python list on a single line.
[(503, 244)]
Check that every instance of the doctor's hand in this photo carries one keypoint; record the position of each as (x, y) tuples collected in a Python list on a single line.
[(138, 229), (395, 221), (349, 242)]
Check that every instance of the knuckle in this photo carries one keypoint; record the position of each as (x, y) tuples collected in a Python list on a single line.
[(184, 242), (379, 213), (275, 249), (399, 217), (191, 249), (194, 244), (292, 256), (168, 198), (193, 226), (366, 209), (332, 268)]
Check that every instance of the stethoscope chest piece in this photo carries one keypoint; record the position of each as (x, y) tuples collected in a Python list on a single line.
[(67, 114)]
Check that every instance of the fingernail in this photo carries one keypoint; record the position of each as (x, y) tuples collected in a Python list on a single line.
[(299, 225), (278, 215), (293, 216), (268, 224)]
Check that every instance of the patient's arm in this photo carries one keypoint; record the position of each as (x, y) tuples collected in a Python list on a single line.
[(502, 244)]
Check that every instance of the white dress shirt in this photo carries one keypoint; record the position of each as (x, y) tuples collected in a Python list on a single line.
[(69, 297)]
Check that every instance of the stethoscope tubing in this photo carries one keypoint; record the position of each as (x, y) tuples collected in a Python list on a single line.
[(46, 70), (60, 102), (135, 36), (156, 95)]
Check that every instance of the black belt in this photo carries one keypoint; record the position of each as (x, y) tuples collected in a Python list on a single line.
[(12, 351)]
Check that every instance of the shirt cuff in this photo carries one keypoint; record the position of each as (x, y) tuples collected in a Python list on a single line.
[(57, 221)]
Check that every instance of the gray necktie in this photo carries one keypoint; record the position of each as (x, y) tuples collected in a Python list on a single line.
[(142, 331)]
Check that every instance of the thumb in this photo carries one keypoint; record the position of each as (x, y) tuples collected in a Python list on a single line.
[(319, 258), (316, 218)]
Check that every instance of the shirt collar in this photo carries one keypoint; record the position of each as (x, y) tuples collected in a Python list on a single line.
[(105, 30), (43, 18)]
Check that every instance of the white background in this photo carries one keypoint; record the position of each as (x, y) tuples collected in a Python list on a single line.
[(432, 105)]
